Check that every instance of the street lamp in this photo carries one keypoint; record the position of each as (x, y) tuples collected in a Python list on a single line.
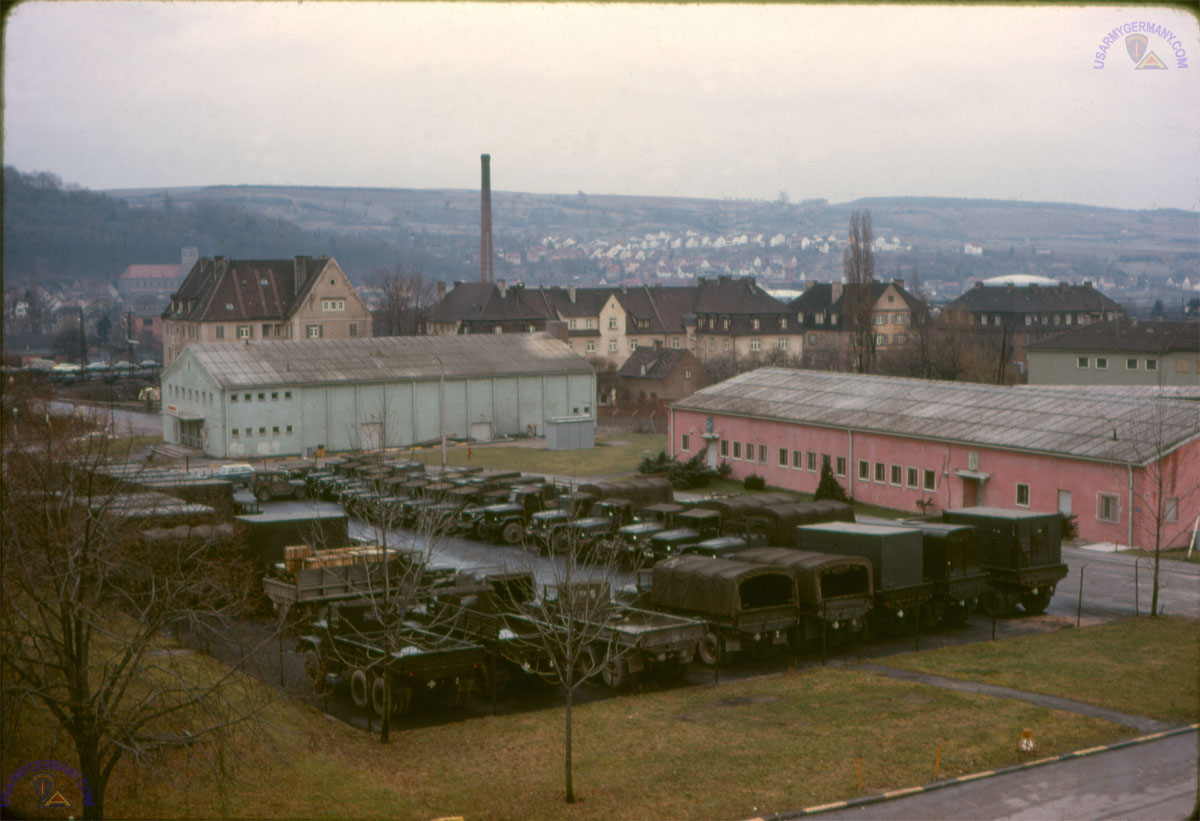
[(442, 408)]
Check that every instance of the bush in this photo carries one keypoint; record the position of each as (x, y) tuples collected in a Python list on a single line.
[(1070, 527), (754, 482), (828, 487), (683, 475), (724, 469)]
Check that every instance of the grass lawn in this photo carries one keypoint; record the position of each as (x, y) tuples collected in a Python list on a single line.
[(615, 454), (730, 751), (1095, 665)]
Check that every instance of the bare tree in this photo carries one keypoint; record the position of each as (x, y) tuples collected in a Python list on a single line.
[(858, 266), (405, 294), (90, 606)]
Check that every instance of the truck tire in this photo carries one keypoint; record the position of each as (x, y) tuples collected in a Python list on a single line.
[(513, 533), (298, 493), (994, 603), (263, 494), (560, 543), (709, 648), (1035, 604), (315, 671), (360, 693), (377, 696), (615, 672)]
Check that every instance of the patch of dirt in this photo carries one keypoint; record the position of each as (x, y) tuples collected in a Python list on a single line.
[(709, 710)]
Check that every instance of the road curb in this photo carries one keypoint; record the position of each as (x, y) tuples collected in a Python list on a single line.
[(866, 800)]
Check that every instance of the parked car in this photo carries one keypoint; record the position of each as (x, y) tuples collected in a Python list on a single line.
[(239, 473)]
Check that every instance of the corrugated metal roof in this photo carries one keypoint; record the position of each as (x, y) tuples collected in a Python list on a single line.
[(1123, 424), (376, 359)]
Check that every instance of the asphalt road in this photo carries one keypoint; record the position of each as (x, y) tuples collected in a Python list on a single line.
[(1144, 782)]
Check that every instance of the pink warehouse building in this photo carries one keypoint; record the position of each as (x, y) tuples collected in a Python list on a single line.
[(1100, 453)]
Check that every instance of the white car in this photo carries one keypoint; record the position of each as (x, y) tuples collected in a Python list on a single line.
[(238, 473)]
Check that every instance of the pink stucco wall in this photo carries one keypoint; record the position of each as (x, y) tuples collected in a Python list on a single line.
[(1044, 475)]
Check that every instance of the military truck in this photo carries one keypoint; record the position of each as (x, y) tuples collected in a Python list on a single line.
[(307, 580), (507, 521), (1022, 554), (834, 594), (695, 526), (722, 547), (902, 595), (953, 564), (745, 607), (276, 484), (349, 648)]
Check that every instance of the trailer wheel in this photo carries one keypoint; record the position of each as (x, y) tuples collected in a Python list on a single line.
[(710, 647), (263, 494), (513, 533), (360, 693), (615, 672), (1036, 603), (315, 671)]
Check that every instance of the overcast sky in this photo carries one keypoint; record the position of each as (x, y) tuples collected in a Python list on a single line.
[(710, 101)]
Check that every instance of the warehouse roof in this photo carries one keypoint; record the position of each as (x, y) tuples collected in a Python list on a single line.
[(376, 359), (1119, 424)]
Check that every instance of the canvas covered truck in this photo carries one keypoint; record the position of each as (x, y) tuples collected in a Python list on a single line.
[(744, 607), (351, 649), (1022, 554), (834, 594), (775, 525), (902, 595), (953, 564)]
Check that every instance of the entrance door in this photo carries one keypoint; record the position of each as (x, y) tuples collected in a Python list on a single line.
[(710, 454), (1064, 502), (971, 492)]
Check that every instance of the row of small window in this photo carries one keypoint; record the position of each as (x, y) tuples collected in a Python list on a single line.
[(755, 322), (190, 393), (333, 304), (1131, 364), (1108, 509), (897, 475), (247, 433), (262, 396)]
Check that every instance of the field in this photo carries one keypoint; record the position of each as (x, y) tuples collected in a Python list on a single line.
[(726, 751)]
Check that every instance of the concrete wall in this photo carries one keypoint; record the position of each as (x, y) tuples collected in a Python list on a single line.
[(1044, 475)]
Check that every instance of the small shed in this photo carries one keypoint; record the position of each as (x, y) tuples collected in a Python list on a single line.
[(570, 433)]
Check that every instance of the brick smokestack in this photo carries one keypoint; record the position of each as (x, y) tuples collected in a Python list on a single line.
[(486, 254)]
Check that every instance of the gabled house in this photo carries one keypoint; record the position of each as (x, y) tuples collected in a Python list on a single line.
[(822, 313), (227, 300), (654, 375)]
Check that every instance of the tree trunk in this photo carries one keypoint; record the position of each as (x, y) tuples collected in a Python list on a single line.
[(385, 727), (92, 769), (570, 697)]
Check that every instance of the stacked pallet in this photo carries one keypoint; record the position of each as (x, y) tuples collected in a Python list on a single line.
[(304, 557)]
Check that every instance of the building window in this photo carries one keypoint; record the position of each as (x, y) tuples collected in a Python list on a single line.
[(1131, 364), (220, 332), (266, 330), (633, 344), (880, 472), (499, 329), (612, 346), (262, 397), (1151, 364), (755, 344), (288, 429), (612, 323), (930, 480), (275, 430), (737, 450), (571, 324), (685, 443), (1022, 495), (262, 431), (243, 331), (234, 432), (233, 397), (274, 396), (783, 323), (825, 461), (754, 323), (798, 460), (249, 432), (287, 394), (762, 454), (833, 318), (246, 397), (687, 373), (675, 343), (724, 449), (880, 339), (783, 457), (812, 461), (1102, 363), (726, 346), (749, 451), (900, 339), (812, 339), (1171, 510), (881, 319), (591, 346), (314, 331), (1108, 507), (840, 466), (353, 329), (333, 304), (1082, 362), (587, 323), (819, 319), (897, 475), (910, 478), (864, 470), (725, 323), (783, 344)]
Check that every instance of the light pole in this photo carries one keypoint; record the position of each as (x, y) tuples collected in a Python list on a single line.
[(442, 408)]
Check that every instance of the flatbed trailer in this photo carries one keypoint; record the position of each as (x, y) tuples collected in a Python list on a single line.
[(305, 584)]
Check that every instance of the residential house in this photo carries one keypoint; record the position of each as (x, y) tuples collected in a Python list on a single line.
[(227, 300), (1022, 314), (821, 311), (1119, 352), (151, 286), (654, 375)]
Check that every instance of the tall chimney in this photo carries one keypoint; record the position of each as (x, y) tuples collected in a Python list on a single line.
[(486, 255)]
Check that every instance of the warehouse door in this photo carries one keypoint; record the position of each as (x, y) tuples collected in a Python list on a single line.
[(481, 431), (971, 496), (1064, 502), (370, 435)]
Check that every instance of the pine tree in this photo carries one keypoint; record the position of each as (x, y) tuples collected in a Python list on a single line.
[(828, 487)]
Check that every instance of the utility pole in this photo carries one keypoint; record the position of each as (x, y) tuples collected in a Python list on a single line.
[(442, 408)]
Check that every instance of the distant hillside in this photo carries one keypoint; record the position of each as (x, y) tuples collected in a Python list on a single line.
[(58, 234)]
